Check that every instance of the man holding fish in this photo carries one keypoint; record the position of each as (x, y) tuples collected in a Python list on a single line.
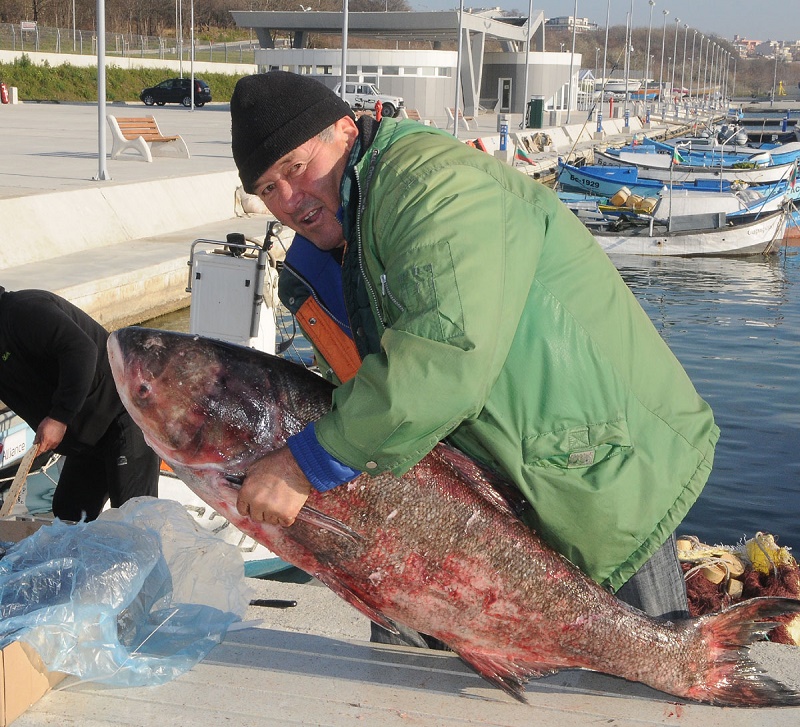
[(452, 297)]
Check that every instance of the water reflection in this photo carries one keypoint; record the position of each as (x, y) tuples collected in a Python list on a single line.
[(735, 326)]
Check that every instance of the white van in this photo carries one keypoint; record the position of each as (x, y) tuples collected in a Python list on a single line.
[(364, 96)]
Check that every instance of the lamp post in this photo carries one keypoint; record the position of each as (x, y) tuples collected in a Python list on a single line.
[(683, 65), (774, 78), (661, 70), (191, 57), (691, 66), (527, 60), (674, 59), (596, 59), (605, 51), (572, 60), (628, 48), (647, 57)]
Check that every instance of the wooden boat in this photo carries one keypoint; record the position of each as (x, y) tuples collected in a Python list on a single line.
[(660, 167), (696, 235)]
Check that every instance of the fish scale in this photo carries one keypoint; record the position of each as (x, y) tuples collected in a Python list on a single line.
[(439, 549)]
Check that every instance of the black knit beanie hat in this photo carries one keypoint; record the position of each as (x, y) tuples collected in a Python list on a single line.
[(273, 113)]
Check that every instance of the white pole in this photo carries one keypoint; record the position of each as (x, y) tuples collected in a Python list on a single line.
[(572, 59), (605, 51), (458, 69), (674, 61), (527, 62), (180, 38), (647, 59), (661, 69), (102, 172), (683, 65), (345, 31), (191, 57), (74, 26), (691, 67)]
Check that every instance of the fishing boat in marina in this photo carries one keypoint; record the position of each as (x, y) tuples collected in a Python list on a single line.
[(661, 167), (693, 235), (606, 181), (695, 156)]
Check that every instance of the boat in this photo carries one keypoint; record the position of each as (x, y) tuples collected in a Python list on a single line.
[(676, 203), (693, 155), (660, 167), (693, 235), (618, 86), (606, 181)]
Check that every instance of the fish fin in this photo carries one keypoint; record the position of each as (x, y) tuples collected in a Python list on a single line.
[(486, 482), (732, 678), (505, 675), (355, 601), (312, 516)]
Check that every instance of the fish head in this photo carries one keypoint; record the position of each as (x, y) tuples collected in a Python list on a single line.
[(199, 402)]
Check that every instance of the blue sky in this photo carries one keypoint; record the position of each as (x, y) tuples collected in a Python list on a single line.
[(759, 20)]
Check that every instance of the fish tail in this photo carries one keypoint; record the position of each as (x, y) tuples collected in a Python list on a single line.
[(733, 678)]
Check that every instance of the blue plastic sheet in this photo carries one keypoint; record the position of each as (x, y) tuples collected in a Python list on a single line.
[(135, 598)]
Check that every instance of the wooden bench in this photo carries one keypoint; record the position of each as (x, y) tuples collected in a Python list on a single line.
[(463, 119), (414, 115), (140, 134)]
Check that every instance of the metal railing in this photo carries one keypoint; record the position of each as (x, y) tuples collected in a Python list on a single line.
[(33, 38)]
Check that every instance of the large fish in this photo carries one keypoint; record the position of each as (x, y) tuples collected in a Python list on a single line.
[(437, 549)]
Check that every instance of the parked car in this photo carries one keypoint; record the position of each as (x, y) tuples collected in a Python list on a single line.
[(364, 96), (177, 90)]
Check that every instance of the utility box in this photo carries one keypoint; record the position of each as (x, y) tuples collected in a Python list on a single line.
[(536, 112), (228, 299)]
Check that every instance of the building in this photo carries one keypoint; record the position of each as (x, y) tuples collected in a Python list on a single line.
[(565, 22), (425, 78)]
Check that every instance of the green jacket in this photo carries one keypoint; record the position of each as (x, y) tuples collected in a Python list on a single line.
[(485, 312)]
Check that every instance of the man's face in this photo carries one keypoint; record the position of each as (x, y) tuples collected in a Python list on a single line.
[(302, 188)]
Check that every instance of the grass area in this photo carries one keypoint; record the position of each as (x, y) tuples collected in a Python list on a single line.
[(73, 83)]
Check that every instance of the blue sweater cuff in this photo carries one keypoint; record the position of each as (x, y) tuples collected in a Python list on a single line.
[(322, 469)]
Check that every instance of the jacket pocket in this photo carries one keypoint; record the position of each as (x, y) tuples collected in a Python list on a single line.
[(579, 447)]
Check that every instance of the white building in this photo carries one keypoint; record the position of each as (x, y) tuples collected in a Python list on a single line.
[(424, 78)]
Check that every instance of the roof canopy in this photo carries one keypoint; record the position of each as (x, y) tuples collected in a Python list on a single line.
[(430, 26)]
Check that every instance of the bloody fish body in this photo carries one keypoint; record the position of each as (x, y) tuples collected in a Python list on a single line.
[(437, 549)]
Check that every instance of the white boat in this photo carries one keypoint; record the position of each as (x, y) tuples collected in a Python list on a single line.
[(691, 236), (661, 168), (618, 86)]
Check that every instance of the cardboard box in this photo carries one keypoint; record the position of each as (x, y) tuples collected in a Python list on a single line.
[(23, 678)]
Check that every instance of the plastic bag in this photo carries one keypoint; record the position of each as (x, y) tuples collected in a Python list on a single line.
[(134, 598)]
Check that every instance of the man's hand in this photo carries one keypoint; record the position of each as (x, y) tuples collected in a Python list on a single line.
[(274, 489), (49, 434)]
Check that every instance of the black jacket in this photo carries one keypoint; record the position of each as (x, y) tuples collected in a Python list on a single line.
[(53, 362)]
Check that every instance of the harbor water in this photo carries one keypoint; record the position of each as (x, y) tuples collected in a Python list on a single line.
[(734, 323)]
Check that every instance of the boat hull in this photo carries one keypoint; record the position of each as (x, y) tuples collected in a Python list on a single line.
[(659, 167), (759, 237)]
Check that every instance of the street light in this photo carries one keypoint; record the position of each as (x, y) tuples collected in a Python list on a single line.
[(572, 59), (683, 65), (647, 57), (605, 51), (691, 67), (661, 70), (674, 57), (628, 50)]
